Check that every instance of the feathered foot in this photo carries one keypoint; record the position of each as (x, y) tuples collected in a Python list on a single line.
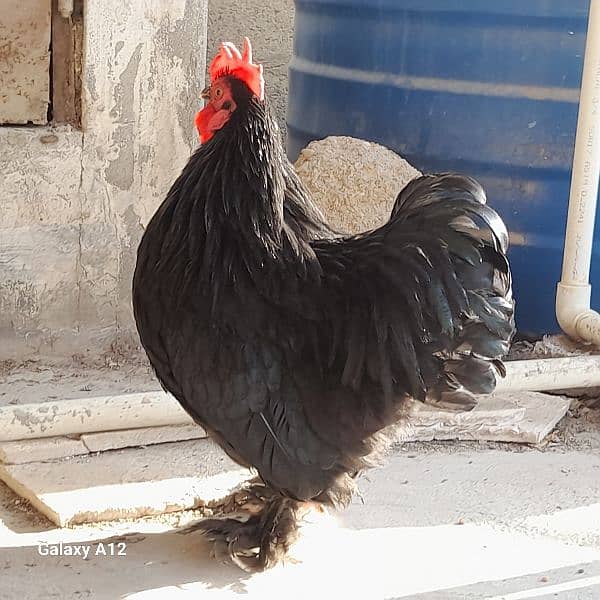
[(260, 537), (255, 542), (250, 498), (254, 527)]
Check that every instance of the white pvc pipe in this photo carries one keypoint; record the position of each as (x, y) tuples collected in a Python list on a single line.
[(573, 295), (152, 409)]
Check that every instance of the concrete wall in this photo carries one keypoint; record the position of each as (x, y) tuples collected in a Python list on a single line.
[(270, 27), (74, 203)]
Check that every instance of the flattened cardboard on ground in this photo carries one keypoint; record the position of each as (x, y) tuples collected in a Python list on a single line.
[(127, 483), (525, 417), (145, 436)]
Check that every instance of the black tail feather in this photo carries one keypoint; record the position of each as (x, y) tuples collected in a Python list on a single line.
[(469, 291)]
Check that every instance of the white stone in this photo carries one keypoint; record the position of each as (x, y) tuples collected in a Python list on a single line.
[(526, 417), (39, 450), (354, 182), (145, 436), (84, 415), (126, 483)]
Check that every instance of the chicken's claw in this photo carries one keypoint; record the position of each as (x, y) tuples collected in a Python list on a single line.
[(254, 540)]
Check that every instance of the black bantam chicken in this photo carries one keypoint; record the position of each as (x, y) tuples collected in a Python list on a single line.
[(296, 347)]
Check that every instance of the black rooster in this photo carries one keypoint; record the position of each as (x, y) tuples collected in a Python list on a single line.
[(295, 347)]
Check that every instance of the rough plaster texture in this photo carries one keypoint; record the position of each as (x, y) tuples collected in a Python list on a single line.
[(77, 203), (39, 238), (85, 415), (270, 27)]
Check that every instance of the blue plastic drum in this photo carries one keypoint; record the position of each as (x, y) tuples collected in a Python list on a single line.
[(490, 89)]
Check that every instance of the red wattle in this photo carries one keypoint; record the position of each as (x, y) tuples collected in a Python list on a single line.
[(202, 122), (209, 120)]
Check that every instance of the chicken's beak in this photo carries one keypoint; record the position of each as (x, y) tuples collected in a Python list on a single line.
[(205, 93)]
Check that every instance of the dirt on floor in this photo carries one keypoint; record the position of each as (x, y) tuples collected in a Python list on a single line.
[(35, 382), (21, 526), (160, 563), (120, 373), (579, 431)]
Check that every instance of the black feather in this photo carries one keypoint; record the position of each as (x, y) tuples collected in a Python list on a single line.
[(295, 346)]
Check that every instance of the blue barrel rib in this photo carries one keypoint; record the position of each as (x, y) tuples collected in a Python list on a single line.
[(486, 88)]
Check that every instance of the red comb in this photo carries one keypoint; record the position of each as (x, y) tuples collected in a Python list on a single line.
[(229, 61)]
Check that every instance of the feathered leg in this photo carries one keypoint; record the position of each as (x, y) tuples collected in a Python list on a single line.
[(261, 533), (250, 498), (258, 542)]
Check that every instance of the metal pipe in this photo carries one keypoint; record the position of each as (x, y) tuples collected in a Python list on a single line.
[(573, 295)]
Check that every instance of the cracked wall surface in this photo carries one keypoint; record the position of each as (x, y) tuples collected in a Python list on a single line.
[(74, 204)]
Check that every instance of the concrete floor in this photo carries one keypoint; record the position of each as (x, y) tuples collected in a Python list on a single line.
[(439, 522)]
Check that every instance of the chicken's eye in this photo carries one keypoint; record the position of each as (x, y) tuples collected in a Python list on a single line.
[(218, 93)]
